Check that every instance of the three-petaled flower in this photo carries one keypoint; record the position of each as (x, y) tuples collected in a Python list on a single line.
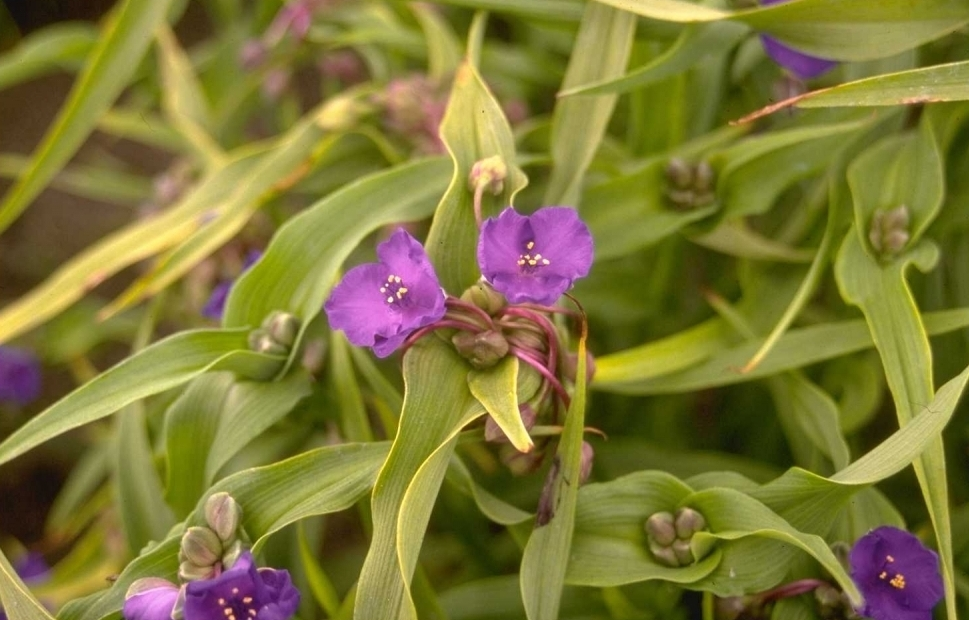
[(804, 66), (379, 304), (241, 593), (534, 258), (896, 574), (19, 376)]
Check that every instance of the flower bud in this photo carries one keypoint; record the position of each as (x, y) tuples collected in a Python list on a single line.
[(585, 464), (688, 523), (682, 551), (482, 349), (520, 463), (201, 547), (889, 231), (232, 554), (570, 366), (660, 528), (489, 174), (703, 177), (261, 342), (253, 54), (664, 555), (223, 515), (482, 295), (190, 572), (282, 327), (679, 173), (494, 433)]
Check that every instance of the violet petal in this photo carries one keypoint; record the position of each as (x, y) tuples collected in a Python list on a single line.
[(19, 376)]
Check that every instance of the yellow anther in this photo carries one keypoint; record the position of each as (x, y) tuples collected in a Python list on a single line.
[(222, 602), (533, 262), (521, 261), (390, 278), (889, 558), (545, 261), (882, 575), (227, 611), (247, 600), (396, 279), (898, 581), (529, 245), (390, 299)]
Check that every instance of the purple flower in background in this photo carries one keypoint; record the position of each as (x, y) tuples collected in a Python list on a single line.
[(215, 306), (150, 598), (32, 569), (800, 64), (534, 258), (379, 304), (19, 376), (898, 577), (242, 593)]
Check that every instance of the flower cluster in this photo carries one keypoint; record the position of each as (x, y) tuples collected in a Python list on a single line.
[(529, 259), (222, 581)]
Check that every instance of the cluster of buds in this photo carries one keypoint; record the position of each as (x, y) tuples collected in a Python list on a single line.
[(207, 550), (689, 186), (670, 536), (277, 335), (889, 231)]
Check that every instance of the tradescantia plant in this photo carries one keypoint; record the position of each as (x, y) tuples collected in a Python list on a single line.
[(490, 310)]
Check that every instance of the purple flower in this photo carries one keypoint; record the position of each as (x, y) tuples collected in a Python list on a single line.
[(800, 64), (19, 376), (32, 570), (242, 593), (534, 258), (215, 306), (379, 304), (898, 577), (151, 598)]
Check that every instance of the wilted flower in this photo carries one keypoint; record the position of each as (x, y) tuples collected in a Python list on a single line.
[(800, 64), (215, 306), (242, 593), (896, 574), (19, 376), (379, 304), (534, 258)]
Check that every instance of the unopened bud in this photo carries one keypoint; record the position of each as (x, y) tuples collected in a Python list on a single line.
[(482, 295), (261, 342), (688, 523), (729, 608), (482, 349), (190, 572), (520, 463), (683, 553), (679, 173), (253, 54), (275, 84), (489, 174), (889, 230), (664, 555), (232, 554), (223, 515), (585, 463), (571, 366), (703, 177), (660, 528), (282, 327), (201, 546), (493, 432)]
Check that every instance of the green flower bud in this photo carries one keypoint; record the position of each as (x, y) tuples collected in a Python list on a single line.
[(190, 572), (683, 553), (679, 173), (282, 327), (660, 528), (232, 554), (489, 174), (485, 297), (889, 233), (663, 555), (201, 547), (261, 342), (688, 523), (483, 349), (223, 515), (703, 178)]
